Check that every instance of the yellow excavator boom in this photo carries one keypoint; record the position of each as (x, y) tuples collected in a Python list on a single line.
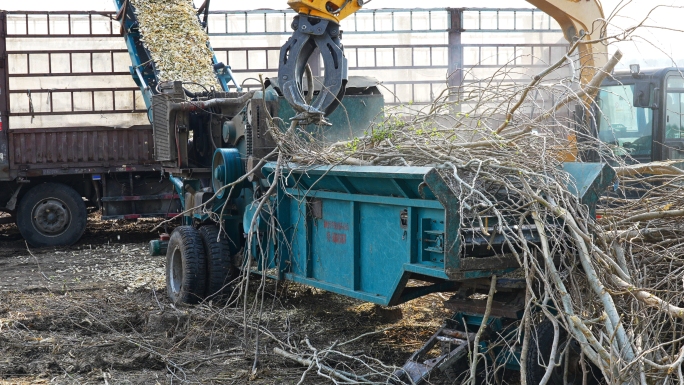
[(580, 19)]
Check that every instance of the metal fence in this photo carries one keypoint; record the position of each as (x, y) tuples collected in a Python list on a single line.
[(416, 53), (71, 68)]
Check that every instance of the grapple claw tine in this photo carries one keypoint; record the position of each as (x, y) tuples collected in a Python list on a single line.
[(311, 33)]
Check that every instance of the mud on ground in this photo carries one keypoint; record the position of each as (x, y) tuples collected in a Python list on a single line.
[(97, 313)]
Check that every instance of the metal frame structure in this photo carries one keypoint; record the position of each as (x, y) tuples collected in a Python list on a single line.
[(26, 29), (85, 76), (4, 102), (439, 20), (449, 25), (59, 78)]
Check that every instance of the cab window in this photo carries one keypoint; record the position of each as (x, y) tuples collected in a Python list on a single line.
[(628, 128), (674, 108)]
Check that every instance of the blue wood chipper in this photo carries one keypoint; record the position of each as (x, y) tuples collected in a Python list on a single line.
[(360, 231)]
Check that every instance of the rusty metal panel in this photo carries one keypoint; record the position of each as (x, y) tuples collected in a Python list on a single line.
[(4, 100), (77, 147)]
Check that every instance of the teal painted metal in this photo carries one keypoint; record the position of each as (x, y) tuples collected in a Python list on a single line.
[(588, 181), (158, 247), (364, 231), (348, 229), (178, 185), (226, 168), (183, 186)]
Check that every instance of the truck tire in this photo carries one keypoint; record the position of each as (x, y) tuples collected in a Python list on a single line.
[(185, 266), (539, 352), (220, 270), (51, 214)]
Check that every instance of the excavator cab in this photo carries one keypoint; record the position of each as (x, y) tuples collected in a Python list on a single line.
[(640, 113)]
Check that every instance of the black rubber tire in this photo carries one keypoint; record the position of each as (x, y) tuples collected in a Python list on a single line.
[(220, 270), (539, 352), (51, 214), (186, 271)]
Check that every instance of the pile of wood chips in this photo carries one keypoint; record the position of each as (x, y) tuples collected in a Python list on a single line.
[(177, 43)]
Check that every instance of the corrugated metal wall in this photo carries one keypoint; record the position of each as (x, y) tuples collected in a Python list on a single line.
[(85, 146)]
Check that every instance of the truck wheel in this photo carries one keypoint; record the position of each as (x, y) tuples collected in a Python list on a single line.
[(220, 270), (185, 266), (540, 350), (51, 214)]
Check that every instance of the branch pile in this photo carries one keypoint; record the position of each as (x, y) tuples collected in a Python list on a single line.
[(612, 284)]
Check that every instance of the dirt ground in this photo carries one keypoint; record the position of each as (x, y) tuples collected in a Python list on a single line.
[(97, 313)]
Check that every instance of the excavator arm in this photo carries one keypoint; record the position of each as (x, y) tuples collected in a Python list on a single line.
[(317, 27), (580, 19)]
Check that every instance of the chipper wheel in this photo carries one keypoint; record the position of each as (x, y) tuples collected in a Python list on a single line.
[(220, 270), (186, 270), (568, 353)]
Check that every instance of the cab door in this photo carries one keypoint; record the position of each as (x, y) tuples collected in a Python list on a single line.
[(673, 124)]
